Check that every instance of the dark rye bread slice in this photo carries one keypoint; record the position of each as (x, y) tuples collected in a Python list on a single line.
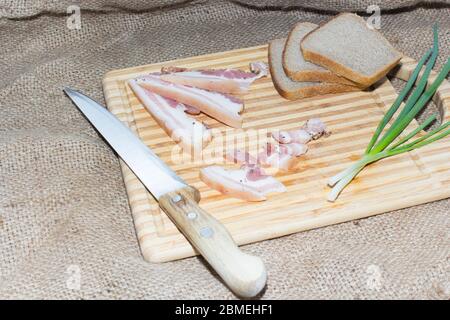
[(293, 90), (348, 47), (297, 68)]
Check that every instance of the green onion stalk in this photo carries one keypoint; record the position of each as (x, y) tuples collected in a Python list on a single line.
[(383, 146)]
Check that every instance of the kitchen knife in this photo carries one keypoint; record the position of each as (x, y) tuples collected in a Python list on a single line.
[(244, 274)]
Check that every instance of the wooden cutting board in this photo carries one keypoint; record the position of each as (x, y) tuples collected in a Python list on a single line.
[(407, 180)]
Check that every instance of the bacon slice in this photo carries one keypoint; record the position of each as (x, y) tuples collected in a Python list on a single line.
[(191, 110), (223, 108), (219, 80), (241, 183), (170, 115)]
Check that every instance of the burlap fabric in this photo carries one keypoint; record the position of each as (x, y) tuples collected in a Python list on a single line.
[(63, 206)]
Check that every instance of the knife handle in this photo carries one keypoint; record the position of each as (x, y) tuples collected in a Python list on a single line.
[(244, 274)]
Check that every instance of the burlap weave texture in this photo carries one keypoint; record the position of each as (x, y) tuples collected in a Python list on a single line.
[(63, 205)]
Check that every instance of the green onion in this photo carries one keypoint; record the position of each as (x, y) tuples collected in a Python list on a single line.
[(413, 133), (411, 103), (380, 148), (428, 135), (393, 109)]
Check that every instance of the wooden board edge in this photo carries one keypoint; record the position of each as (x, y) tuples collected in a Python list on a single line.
[(154, 255), (151, 255), (442, 96)]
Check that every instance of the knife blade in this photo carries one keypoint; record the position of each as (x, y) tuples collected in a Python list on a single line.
[(244, 274)]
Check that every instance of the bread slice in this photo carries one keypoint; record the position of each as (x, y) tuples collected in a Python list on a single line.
[(293, 90), (348, 47), (297, 68)]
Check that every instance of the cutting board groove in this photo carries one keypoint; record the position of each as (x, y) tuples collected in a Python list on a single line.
[(403, 181)]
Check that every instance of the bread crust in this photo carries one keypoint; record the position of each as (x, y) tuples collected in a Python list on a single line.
[(307, 92), (313, 75), (310, 91), (320, 76), (342, 70)]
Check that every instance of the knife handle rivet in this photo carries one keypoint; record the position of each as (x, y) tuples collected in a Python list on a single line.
[(176, 198), (191, 215), (206, 232)]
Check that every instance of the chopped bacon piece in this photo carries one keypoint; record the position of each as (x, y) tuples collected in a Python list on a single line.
[(281, 161), (254, 172), (219, 80), (313, 129), (292, 136), (282, 136), (222, 107), (316, 128), (294, 148), (247, 184), (240, 157), (300, 136), (260, 68), (171, 116), (281, 156), (277, 156)]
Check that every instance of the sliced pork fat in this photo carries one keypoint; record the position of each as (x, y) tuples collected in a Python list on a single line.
[(171, 116), (247, 183), (222, 107), (191, 110), (220, 80)]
